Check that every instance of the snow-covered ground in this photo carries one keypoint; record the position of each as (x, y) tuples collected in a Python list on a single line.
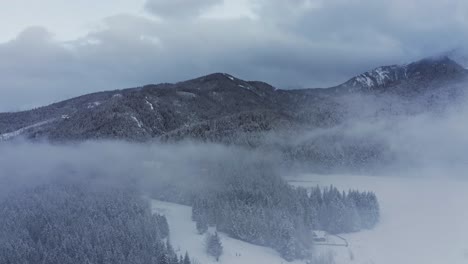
[(423, 220), (10, 135), (184, 237)]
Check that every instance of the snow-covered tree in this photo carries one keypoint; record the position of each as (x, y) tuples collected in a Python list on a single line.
[(76, 223), (214, 246), (186, 259), (201, 225)]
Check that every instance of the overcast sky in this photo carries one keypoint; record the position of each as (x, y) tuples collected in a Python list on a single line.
[(55, 49)]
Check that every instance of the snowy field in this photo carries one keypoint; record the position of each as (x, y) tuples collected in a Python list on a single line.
[(184, 237), (423, 221)]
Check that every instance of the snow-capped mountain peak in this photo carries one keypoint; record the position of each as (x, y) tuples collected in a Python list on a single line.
[(379, 76), (384, 76)]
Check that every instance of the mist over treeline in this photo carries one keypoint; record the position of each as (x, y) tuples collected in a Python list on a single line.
[(25, 164), (84, 202), (240, 190), (253, 202), (385, 134), (423, 142)]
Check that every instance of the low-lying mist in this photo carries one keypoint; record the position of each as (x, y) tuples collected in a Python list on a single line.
[(425, 144), (386, 135), (24, 163), (83, 203), (240, 190)]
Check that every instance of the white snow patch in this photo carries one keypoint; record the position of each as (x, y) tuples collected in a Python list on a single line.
[(10, 135), (422, 220), (138, 122), (150, 105), (363, 79), (186, 94), (245, 87), (93, 104), (117, 95), (184, 237), (382, 75), (229, 76)]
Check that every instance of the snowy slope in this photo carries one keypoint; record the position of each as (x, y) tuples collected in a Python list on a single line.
[(379, 76), (8, 136), (423, 220), (184, 237)]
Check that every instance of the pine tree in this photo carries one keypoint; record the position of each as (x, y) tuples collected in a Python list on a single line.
[(288, 248), (352, 217), (186, 259), (164, 259), (163, 226), (202, 225), (214, 246)]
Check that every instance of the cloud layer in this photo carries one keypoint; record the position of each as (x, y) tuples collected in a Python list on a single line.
[(300, 43), (179, 8)]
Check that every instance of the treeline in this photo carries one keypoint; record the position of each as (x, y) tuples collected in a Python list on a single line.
[(260, 210), (283, 218), (342, 212), (246, 198), (62, 223)]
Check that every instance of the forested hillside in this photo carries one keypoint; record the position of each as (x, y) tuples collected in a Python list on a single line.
[(314, 126), (246, 198), (69, 224)]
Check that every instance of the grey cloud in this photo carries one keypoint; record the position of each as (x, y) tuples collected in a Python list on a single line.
[(415, 28), (32, 69), (179, 8), (291, 44)]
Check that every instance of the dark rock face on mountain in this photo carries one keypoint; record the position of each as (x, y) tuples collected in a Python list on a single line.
[(222, 108)]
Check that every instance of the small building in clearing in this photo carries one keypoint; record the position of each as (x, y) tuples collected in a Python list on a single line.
[(319, 236)]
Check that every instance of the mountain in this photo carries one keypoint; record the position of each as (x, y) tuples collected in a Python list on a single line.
[(405, 80), (222, 108), (150, 111), (459, 55)]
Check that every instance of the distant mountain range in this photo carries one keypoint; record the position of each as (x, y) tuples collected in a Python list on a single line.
[(222, 108)]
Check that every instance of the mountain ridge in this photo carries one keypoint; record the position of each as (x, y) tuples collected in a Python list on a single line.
[(432, 67), (219, 106)]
